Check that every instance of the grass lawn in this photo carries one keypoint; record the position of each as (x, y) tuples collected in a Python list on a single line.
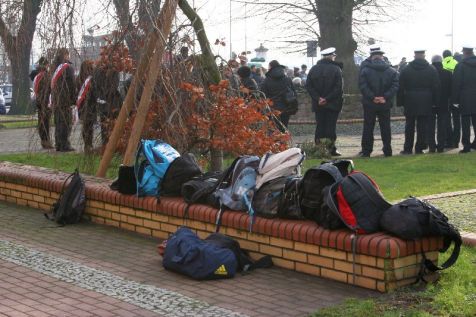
[(453, 295), (398, 177), (19, 124)]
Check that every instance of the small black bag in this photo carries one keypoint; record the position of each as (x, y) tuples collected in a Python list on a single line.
[(69, 208), (290, 203), (126, 182), (414, 219), (291, 101), (200, 189), (180, 171)]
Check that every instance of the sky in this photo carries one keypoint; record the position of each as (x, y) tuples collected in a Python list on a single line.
[(426, 24)]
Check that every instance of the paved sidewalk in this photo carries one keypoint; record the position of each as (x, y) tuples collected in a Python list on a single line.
[(92, 270)]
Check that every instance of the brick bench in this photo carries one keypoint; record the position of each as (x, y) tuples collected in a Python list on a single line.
[(382, 262)]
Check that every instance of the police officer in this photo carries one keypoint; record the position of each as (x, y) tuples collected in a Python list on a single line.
[(324, 84), (378, 83), (464, 95), (453, 130), (441, 111), (63, 97), (418, 94)]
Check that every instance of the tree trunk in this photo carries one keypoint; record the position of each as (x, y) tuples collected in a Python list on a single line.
[(18, 49), (335, 26), (212, 73), (21, 103)]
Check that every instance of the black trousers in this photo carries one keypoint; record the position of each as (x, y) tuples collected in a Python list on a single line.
[(370, 117), (44, 116), (438, 122), (63, 125), (455, 126), (466, 121), (88, 114), (326, 122), (421, 123)]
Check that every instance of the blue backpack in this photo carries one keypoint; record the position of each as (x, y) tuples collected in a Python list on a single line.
[(153, 158), (240, 180), (187, 254)]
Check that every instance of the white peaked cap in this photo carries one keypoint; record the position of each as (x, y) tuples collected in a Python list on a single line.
[(328, 51)]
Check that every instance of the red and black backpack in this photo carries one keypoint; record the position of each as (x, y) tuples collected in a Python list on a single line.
[(357, 201)]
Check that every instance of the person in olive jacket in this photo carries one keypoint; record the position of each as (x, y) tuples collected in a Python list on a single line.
[(464, 96), (441, 114), (418, 94), (275, 86), (378, 83), (324, 84)]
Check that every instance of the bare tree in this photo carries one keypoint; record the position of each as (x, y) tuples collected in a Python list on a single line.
[(17, 37), (336, 23)]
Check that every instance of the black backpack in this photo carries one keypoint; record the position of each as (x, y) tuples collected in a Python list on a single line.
[(414, 219), (69, 208), (200, 189), (313, 183), (290, 203), (357, 201), (180, 171)]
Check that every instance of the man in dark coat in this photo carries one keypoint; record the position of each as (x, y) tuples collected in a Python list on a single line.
[(275, 87), (41, 88), (63, 97), (324, 84), (378, 83), (418, 94), (464, 96), (441, 111)]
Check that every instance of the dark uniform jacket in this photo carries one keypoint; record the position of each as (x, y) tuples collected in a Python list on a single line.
[(325, 81), (378, 79), (275, 86), (464, 85), (64, 94), (419, 88), (445, 77)]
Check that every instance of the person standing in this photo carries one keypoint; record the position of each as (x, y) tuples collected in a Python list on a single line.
[(303, 74), (378, 83), (440, 113), (464, 96), (41, 89), (256, 75), (63, 97), (403, 63), (453, 130), (418, 94), (324, 84), (86, 103), (276, 86)]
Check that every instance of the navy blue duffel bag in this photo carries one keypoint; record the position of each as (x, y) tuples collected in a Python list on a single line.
[(187, 254)]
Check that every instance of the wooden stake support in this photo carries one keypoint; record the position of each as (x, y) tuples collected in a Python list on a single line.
[(150, 60)]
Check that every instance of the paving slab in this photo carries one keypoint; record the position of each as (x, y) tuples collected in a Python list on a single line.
[(111, 272)]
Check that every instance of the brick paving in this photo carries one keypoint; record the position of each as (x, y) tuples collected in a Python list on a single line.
[(123, 256)]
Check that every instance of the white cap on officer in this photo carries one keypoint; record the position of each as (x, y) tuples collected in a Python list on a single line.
[(419, 50), (468, 48), (329, 51), (375, 49)]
